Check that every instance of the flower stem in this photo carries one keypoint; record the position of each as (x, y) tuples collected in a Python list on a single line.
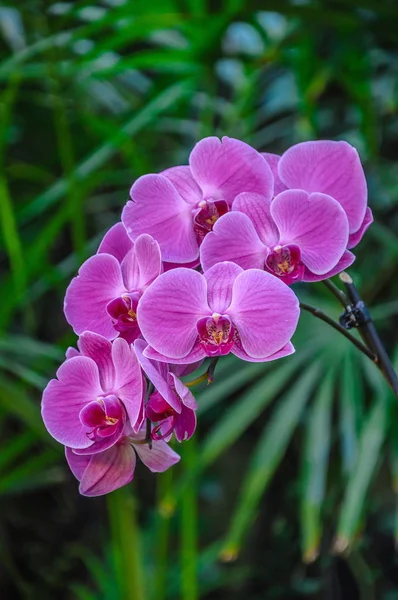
[(188, 550), (324, 317), (163, 489), (126, 544)]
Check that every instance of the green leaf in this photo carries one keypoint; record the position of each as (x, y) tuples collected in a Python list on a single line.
[(315, 463), (351, 406), (267, 455), (371, 441)]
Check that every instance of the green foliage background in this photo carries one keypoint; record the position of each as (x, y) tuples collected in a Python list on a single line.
[(289, 489)]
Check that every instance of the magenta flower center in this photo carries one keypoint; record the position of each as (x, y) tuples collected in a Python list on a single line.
[(159, 411), (102, 417), (206, 214), (123, 312), (285, 262), (216, 334)]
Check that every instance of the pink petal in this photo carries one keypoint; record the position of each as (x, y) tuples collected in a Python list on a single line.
[(220, 279), (225, 168), (142, 264), (185, 424), (158, 209), (157, 374), (116, 242), (169, 309), (167, 266), (265, 312), (76, 385), (273, 161), (333, 168), (257, 208), (181, 178), (285, 351), (105, 472), (77, 462), (71, 352), (345, 261), (197, 354), (316, 223), (187, 397), (99, 281), (129, 386), (159, 458), (183, 370), (356, 237), (235, 239), (99, 349)]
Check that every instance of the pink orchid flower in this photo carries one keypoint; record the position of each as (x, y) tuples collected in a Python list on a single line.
[(186, 316), (297, 236), (180, 206), (95, 395), (103, 298), (109, 470), (172, 405), (333, 168)]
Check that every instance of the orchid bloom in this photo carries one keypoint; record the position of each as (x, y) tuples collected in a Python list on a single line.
[(109, 470), (296, 237), (172, 405), (103, 298), (332, 168), (95, 395), (179, 206), (186, 316)]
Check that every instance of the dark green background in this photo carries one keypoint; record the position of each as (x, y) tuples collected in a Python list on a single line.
[(289, 457)]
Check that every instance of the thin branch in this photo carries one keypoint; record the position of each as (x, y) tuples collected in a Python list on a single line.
[(367, 328), (340, 295), (324, 317)]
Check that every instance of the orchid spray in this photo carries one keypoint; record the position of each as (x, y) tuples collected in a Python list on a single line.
[(200, 266)]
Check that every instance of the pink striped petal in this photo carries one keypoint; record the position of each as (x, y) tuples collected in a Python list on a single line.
[(169, 310), (225, 168), (273, 161), (220, 279), (116, 242), (285, 351), (181, 178), (104, 472), (99, 349), (265, 312), (142, 264), (197, 354), (345, 261), (257, 208), (333, 168), (356, 237), (159, 458), (99, 281), (316, 223), (185, 424), (76, 385), (234, 239), (158, 209), (129, 385)]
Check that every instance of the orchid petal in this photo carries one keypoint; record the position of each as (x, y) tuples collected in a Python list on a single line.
[(224, 168), (333, 168), (265, 312), (285, 351), (169, 309), (76, 385), (129, 382), (116, 242), (99, 281), (355, 238), (234, 239), (142, 264), (181, 178), (185, 424), (273, 161), (99, 349), (345, 261), (257, 208), (220, 279), (197, 354), (316, 223), (159, 458), (158, 209), (183, 392)]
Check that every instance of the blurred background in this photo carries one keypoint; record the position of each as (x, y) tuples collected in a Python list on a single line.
[(289, 488)]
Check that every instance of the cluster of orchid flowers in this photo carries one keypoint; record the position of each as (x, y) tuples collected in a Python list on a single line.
[(199, 266)]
